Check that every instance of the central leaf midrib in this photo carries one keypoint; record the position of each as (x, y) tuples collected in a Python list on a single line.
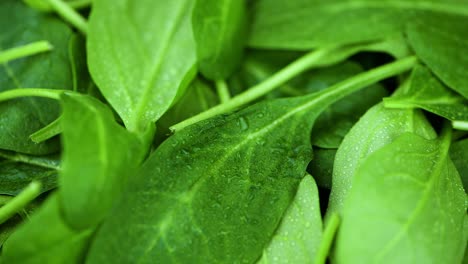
[(160, 57)]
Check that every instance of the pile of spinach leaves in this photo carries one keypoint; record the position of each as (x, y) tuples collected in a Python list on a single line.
[(233, 131)]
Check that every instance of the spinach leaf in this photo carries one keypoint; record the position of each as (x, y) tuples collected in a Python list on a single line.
[(219, 28), (305, 24), (404, 196), (45, 238), (459, 155), (446, 55), (24, 116), (98, 157), (220, 181), (426, 92), (376, 128), (18, 170), (299, 234), (140, 55)]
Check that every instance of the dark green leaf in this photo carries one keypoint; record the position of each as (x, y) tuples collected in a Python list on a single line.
[(443, 48), (18, 170), (140, 54), (377, 128), (22, 117), (426, 92), (404, 196), (299, 234), (305, 24), (45, 238), (219, 28), (321, 166), (459, 155), (98, 157)]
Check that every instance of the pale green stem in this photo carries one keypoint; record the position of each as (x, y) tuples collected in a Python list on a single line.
[(223, 91), (295, 68), (460, 125), (47, 132), (69, 14), (17, 203), (327, 239), (35, 92), (24, 51)]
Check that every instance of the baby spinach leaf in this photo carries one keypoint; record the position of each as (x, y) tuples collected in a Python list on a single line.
[(24, 116), (220, 181), (459, 155), (376, 128), (446, 55), (219, 28), (140, 55), (98, 157), (305, 24), (45, 238), (299, 234), (405, 196), (18, 170), (426, 92)]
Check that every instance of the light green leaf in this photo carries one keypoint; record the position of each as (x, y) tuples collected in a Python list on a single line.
[(377, 128), (45, 238), (299, 234), (140, 53), (305, 24), (220, 29), (459, 155), (442, 46), (426, 92), (98, 157), (407, 205)]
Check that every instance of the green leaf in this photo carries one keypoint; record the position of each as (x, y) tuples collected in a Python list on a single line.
[(216, 191), (407, 205), (305, 24), (140, 55), (45, 238), (376, 128), (299, 234), (459, 155), (98, 157), (18, 170), (443, 48), (220, 29), (426, 92), (24, 116)]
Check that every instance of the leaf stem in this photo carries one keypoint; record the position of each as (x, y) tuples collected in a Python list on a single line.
[(460, 125), (327, 239), (302, 64), (36, 92), (24, 51), (47, 132), (17, 203), (223, 91), (69, 14)]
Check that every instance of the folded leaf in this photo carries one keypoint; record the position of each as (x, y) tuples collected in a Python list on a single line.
[(140, 53), (377, 128), (98, 157), (407, 205)]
